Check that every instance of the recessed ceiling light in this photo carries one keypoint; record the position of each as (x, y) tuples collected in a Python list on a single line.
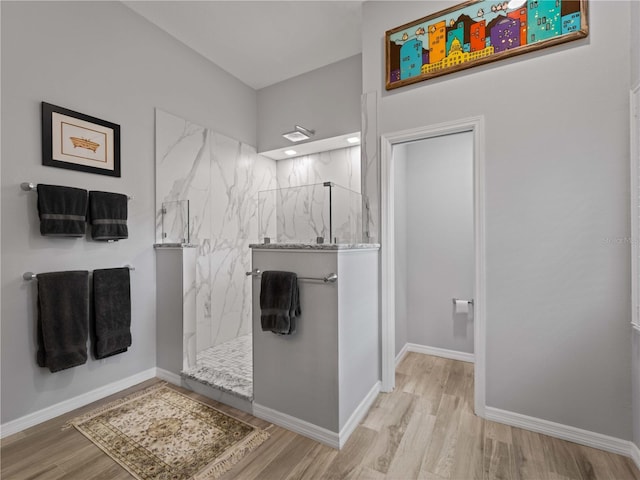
[(353, 140), (290, 152)]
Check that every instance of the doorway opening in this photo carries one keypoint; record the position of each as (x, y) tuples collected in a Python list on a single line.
[(391, 144)]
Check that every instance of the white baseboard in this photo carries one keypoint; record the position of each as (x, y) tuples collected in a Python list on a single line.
[(635, 454), (310, 430), (168, 376), (440, 352), (564, 432), (401, 354), (359, 413), (314, 432), (31, 419)]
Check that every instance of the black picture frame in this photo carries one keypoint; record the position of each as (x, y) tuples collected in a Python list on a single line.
[(76, 141)]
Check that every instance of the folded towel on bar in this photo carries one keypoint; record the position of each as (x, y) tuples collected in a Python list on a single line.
[(108, 215), (62, 210), (112, 311), (279, 302), (63, 319)]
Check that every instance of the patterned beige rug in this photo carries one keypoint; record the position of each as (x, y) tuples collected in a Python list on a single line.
[(161, 434)]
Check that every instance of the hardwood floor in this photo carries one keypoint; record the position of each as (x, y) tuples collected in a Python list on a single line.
[(425, 429)]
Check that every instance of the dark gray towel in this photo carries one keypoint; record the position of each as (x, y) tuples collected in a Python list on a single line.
[(112, 311), (279, 302), (63, 319), (62, 210), (108, 215)]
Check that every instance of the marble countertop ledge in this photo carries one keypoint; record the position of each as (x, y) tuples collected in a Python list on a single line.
[(314, 246), (174, 245)]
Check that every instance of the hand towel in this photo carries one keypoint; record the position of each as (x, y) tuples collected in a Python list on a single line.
[(63, 319), (112, 311), (279, 302), (62, 210), (108, 215)]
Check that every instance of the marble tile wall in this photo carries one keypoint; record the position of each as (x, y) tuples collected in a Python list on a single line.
[(221, 178), (370, 168)]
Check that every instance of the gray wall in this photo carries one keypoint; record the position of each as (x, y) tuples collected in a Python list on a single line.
[(176, 317), (103, 60), (557, 186), (326, 100), (635, 80), (635, 43), (299, 374), (358, 332), (439, 248), (400, 250)]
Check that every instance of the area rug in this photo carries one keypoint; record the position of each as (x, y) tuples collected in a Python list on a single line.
[(161, 434)]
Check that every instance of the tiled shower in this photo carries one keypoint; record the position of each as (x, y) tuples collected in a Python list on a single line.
[(208, 192)]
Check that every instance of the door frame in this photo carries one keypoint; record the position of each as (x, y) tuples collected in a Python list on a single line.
[(387, 141), (634, 123)]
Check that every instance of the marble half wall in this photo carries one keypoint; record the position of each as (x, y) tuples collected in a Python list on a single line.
[(220, 177)]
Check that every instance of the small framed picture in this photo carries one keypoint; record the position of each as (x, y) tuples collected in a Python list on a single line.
[(76, 141)]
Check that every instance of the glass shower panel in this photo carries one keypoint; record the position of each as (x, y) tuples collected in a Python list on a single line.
[(310, 213), (294, 214), (267, 228), (175, 222), (346, 215)]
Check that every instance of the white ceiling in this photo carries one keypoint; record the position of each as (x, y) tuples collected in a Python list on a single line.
[(261, 42)]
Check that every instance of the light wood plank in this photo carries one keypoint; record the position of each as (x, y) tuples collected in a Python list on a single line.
[(468, 456), (283, 463), (441, 448), (346, 464), (529, 463), (281, 440), (376, 418), (314, 464), (560, 459), (431, 387), (397, 415), (410, 453), (498, 451), (593, 464)]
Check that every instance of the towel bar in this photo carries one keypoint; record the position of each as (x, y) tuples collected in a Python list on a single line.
[(32, 276), (32, 187), (331, 278)]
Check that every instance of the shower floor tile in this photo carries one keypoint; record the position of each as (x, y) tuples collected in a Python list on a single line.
[(227, 367)]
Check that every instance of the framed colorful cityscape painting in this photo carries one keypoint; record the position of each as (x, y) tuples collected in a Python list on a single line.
[(478, 32)]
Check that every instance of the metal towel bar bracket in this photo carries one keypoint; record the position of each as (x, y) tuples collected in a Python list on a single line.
[(331, 278), (32, 276), (454, 300), (32, 187)]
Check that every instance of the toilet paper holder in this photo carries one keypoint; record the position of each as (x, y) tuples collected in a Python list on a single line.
[(454, 300)]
